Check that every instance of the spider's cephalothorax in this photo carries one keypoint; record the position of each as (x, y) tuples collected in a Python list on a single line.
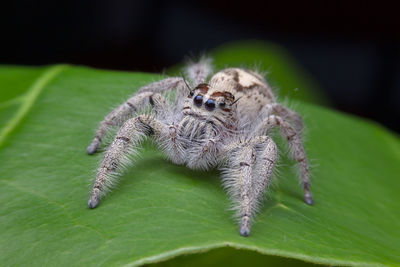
[(221, 123)]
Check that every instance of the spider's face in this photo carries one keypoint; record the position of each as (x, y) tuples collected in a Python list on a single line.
[(204, 100)]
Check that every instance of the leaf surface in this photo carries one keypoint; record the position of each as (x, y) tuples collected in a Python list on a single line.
[(160, 210)]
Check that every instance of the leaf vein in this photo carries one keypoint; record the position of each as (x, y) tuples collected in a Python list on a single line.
[(30, 98)]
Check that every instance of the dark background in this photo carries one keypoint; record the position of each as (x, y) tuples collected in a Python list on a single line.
[(351, 48)]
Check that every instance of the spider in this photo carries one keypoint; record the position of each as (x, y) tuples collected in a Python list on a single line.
[(223, 123)]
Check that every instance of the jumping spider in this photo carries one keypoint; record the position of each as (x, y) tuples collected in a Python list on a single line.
[(223, 123)]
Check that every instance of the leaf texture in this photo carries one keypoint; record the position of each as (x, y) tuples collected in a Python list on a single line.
[(160, 210)]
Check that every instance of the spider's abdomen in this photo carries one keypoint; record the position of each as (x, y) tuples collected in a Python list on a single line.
[(250, 86)]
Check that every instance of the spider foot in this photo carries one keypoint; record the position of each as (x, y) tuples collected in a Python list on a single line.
[(308, 198), (94, 200), (244, 229), (92, 148)]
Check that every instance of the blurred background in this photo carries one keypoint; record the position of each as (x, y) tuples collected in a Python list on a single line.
[(351, 49)]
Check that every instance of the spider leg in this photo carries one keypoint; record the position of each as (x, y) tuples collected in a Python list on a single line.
[(266, 158), (125, 143), (247, 175), (204, 154), (170, 142), (210, 141), (286, 114), (141, 99), (295, 146), (199, 71)]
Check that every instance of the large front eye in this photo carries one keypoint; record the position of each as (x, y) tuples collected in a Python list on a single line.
[(198, 100), (210, 105)]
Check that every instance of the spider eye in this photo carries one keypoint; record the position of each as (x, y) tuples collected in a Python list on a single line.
[(210, 105), (191, 93), (198, 100), (222, 104)]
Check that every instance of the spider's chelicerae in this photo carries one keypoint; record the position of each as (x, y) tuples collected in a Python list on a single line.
[(222, 123)]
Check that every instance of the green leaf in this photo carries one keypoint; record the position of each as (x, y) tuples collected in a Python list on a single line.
[(160, 210), (15, 82)]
